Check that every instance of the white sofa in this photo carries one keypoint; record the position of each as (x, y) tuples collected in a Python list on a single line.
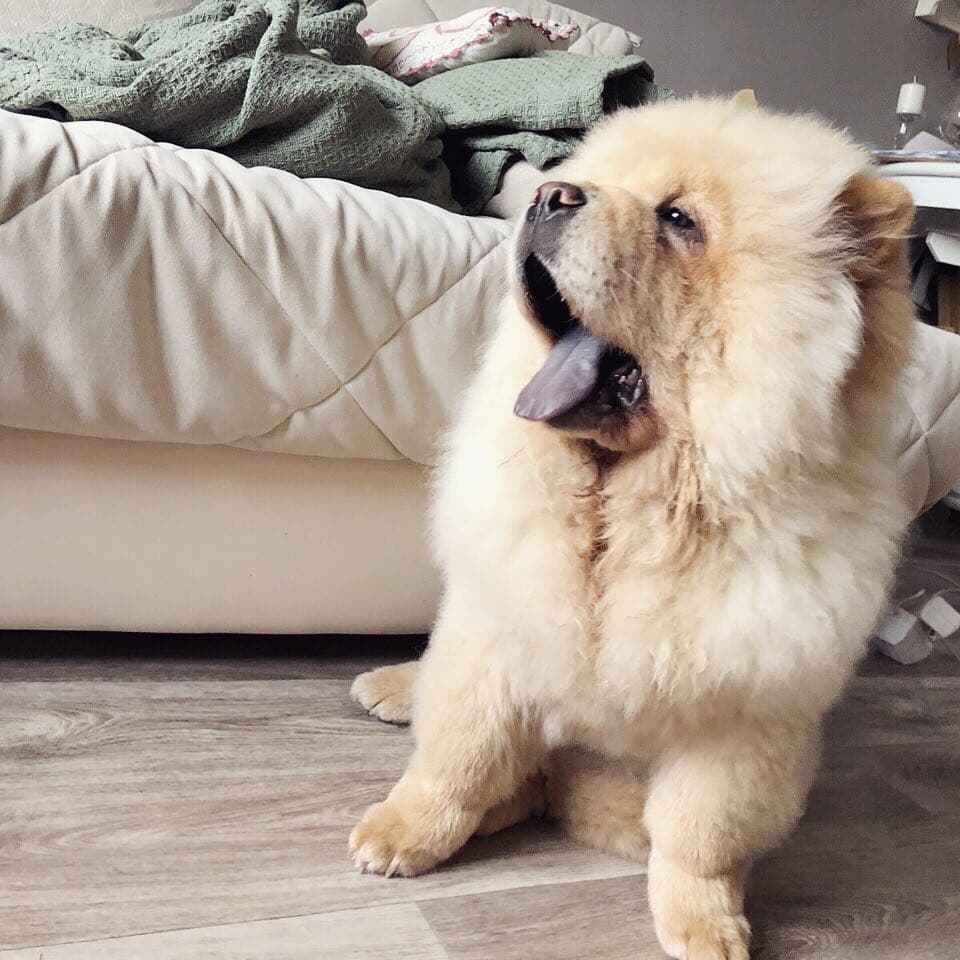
[(221, 388)]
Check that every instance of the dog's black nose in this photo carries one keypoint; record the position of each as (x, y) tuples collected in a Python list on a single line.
[(555, 197)]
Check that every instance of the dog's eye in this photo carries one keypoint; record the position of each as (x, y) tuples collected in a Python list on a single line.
[(675, 217)]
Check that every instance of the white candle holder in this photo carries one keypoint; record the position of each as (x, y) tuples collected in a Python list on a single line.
[(909, 110)]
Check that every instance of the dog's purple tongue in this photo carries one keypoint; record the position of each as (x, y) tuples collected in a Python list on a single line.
[(566, 379)]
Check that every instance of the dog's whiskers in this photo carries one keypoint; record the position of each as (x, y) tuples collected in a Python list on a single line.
[(616, 300), (629, 276)]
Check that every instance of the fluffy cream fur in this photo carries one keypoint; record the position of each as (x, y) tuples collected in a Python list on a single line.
[(658, 620)]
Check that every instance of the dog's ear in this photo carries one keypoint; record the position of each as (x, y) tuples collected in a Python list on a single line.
[(877, 214)]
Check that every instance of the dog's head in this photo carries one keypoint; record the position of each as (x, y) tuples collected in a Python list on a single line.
[(715, 272)]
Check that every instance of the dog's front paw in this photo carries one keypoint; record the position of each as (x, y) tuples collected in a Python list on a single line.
[(392, 841), (716, 938), (387, 693), (698, 918)]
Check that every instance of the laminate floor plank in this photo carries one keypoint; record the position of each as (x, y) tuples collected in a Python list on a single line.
[(136, 807), (348, 935), (889, 903), (599, 920)]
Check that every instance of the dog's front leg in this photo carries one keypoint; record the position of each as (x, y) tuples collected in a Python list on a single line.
[(472, 752), (715, 805)]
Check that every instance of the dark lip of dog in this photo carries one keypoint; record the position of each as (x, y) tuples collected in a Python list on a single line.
[(586, 386)]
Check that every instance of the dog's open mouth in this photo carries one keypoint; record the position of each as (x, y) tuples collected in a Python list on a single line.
[(584, 378)]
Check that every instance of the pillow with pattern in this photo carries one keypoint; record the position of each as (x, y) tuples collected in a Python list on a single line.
[(412, 54)]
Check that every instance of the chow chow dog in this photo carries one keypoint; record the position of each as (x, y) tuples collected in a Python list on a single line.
[(667, 514)]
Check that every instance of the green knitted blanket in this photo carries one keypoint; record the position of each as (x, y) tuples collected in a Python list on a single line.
[(288, 84), (535, 107)]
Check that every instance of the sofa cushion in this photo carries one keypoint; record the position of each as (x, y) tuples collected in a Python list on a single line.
[(152, 292)]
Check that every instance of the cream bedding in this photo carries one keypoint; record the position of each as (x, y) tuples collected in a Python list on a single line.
[(155, 293)]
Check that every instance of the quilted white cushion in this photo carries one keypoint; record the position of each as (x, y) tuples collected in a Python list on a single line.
[(927, 425), (151, 292)]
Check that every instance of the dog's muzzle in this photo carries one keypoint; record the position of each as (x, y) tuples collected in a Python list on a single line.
[(582, 372)]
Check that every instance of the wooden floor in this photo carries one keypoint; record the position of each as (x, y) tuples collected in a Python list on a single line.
[(189, 799)]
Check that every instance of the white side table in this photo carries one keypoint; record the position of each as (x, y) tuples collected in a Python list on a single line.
[(935, 188)]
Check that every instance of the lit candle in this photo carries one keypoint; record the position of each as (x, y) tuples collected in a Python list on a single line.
[(911, 97)]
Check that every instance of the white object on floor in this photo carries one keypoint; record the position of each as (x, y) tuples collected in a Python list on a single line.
[(952, 499), (905, 635), (901, 637), (939, 616)]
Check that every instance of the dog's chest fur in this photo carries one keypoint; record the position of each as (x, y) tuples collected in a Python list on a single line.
[(633, 610)]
